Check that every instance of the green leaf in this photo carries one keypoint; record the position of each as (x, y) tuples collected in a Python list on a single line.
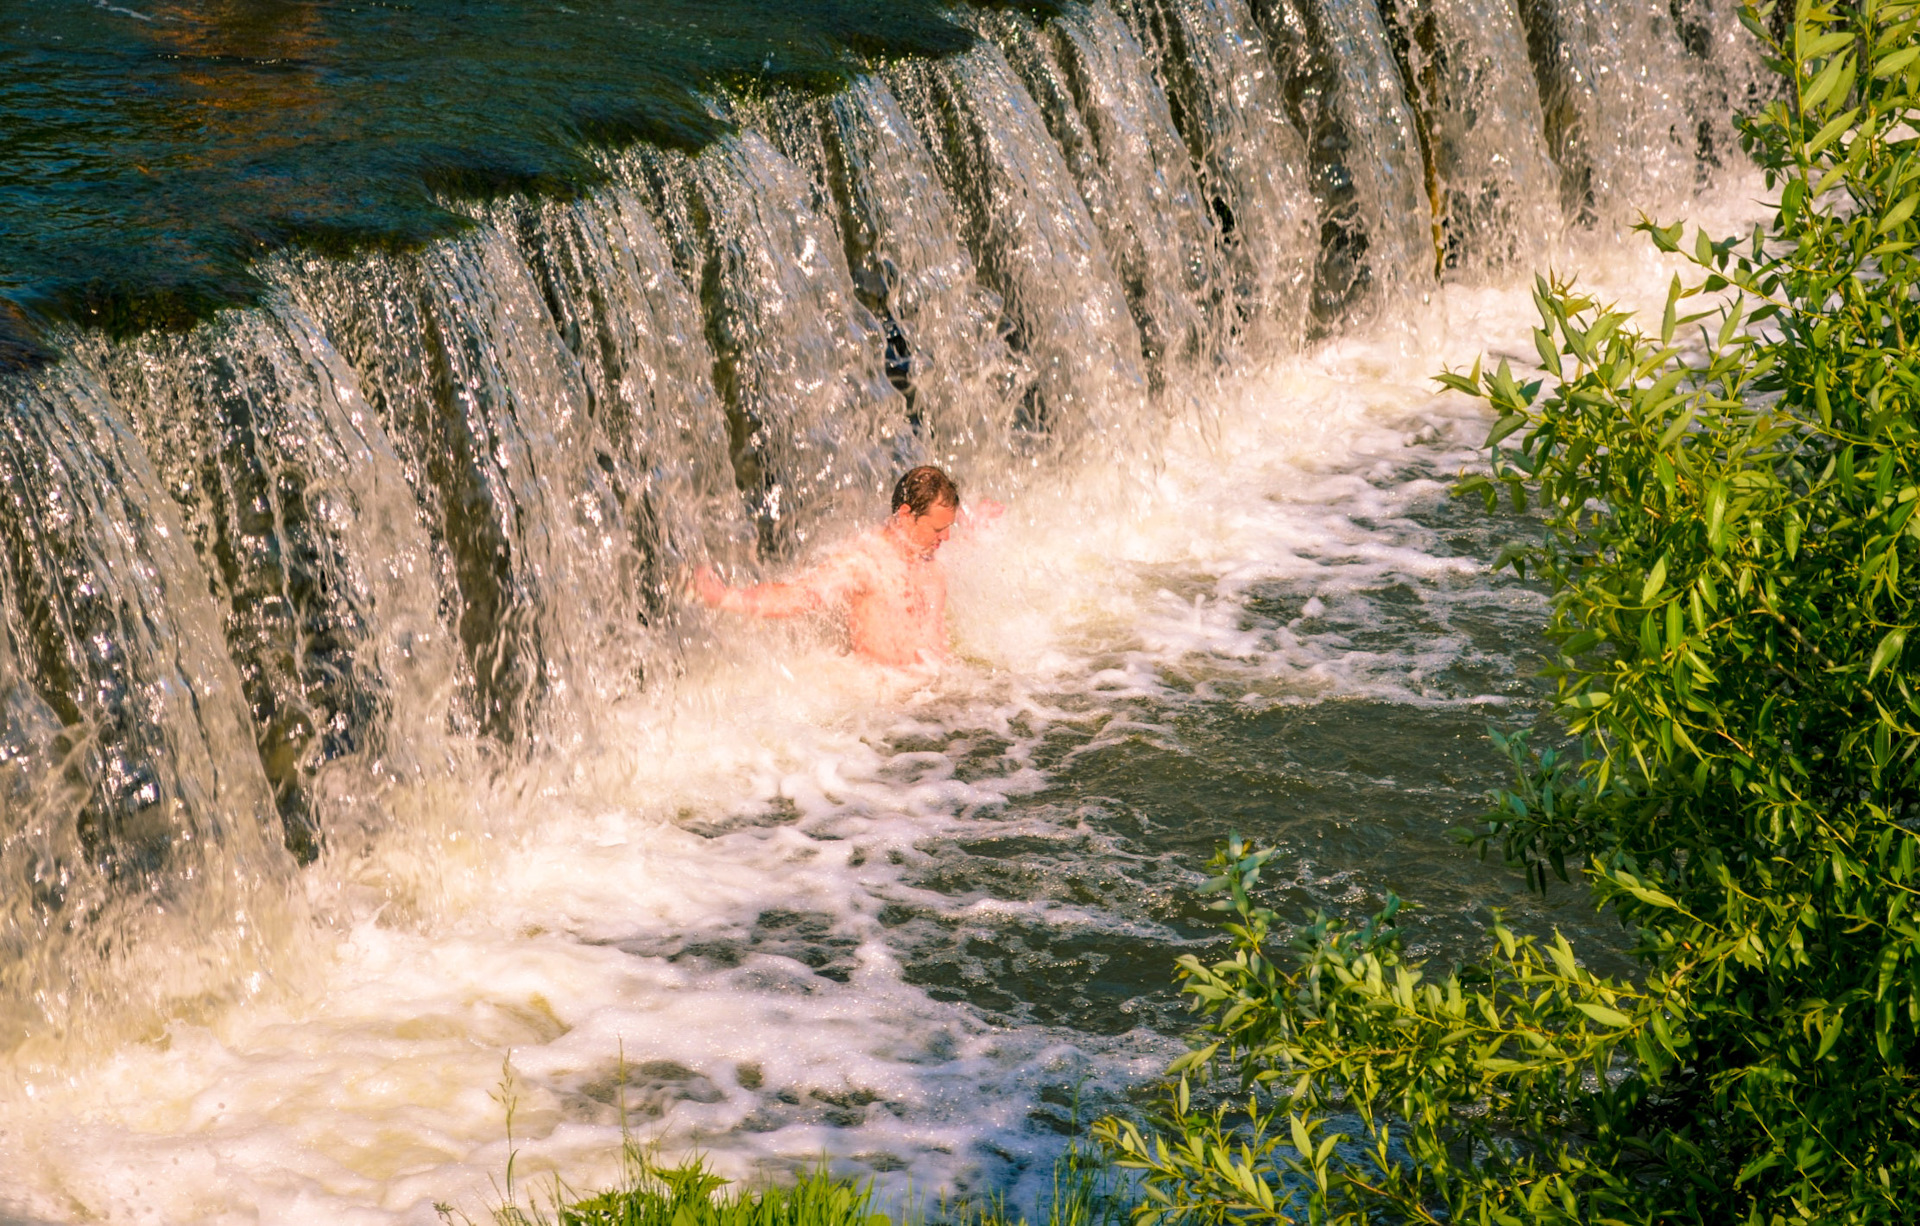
[(1674, 431), (1669, 479), (1604, 1015), (1888, 651), (1894, 64), (1585, 640), (1653, 898), (1827, 83), (1825, 45), (1829, 1034), (1732, 322), (1549, 354), (1656, 580), (1835, 126), (1898, 213), (1505, 426), (1589, 700), (1763, 1163)]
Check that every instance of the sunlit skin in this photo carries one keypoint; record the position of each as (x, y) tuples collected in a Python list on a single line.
[(887, 581)]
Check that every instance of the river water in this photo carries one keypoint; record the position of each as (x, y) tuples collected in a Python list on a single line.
[(909, 923), (371, 786)]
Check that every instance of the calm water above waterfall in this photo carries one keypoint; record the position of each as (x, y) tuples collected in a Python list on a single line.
[(357, 735)]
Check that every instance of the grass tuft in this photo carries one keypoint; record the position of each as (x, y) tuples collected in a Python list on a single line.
[(1085, 1192)]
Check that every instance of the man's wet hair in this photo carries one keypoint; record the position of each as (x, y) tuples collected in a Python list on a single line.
[(923, 488)]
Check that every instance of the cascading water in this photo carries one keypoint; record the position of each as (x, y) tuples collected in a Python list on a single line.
[(1345, 93), (489, 411), (137, 815), (1090, 83), (606, 276), (1492, 181), (1064, 311), (910, 269), (1613, 84), (356, 729), (811, 418), (1224, 97), (307, 528)]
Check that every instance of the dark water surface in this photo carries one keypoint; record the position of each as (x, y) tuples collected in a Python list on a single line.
[(149, 151)]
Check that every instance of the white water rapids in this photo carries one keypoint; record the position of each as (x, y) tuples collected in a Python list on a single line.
[(708, 882)]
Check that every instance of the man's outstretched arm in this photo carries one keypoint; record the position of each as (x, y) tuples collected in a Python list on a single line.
[(977, 515), (759, 599)]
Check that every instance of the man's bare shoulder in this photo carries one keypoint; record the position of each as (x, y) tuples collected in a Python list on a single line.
[(847, 566), (862, 548)]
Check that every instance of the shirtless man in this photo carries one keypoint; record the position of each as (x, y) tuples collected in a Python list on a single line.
[(887, 580)]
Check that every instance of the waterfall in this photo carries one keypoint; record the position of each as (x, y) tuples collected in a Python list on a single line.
[(1345, 97), (306, 528), (1613, 82), (1224, 93), (900, 233), (138, 814), (426, 510), (1103, 110), (1491, 179), (607, 278), (1064, 313), (811, 419)]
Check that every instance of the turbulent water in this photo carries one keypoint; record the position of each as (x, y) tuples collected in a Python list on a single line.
[(365, 768)]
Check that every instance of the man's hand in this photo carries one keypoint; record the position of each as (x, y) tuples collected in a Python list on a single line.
[(978, 514), (708, 586)]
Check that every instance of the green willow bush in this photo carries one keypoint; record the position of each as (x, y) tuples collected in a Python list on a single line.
[(1730, 539)]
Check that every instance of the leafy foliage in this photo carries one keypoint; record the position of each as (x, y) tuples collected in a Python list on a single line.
[(1731, 535)]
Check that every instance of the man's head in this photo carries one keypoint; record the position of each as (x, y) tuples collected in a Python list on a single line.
[(922, 487), (925, 504)]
